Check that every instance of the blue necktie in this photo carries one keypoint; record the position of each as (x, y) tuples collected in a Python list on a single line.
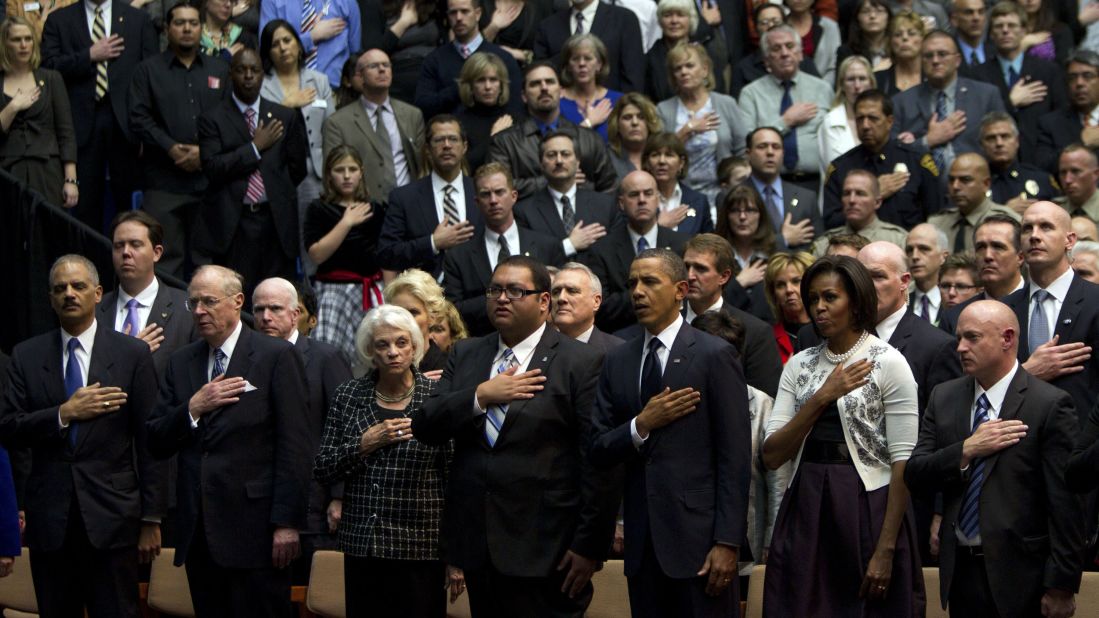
[(494, 418), (73, 381), (130, 326), (790, 140), (219, 363), (773, 208), (925, 308), (642, 245), (938, 153), (1039, 325), (652, 378), (1012, 77), (970, 515)]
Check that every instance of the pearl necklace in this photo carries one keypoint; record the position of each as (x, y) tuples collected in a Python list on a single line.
[(836, 359)]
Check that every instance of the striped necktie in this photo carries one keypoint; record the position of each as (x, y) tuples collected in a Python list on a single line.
[(494, 418), (99, 30), (255, 192), (309, 19), (450, 209), (970, 515)]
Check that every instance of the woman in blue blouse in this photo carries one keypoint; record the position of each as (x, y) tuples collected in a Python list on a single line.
[(584, 100)]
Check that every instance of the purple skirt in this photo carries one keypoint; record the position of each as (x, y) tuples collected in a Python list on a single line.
[(825, 534)]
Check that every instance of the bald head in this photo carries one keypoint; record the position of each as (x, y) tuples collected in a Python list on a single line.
[(968, 182), (1047, 240), (988, 340), (888, 269), (638, 199)]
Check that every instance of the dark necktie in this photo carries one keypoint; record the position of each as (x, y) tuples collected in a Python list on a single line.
[(925, 308), (969, 516), (642, 245), (938, 153), (959, 237), (1012, 77), (504, 253), (1039, 323), (579, 23), (73, 381), (652, 377), (773, 209), (974, 59), (568, 215), (219, 363), (790, 140)]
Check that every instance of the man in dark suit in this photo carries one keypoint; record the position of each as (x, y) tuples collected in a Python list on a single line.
[(1029, 87), (96, 46), (254, 156), (231, 405), (78, 398), (468, 268), (1059, 128), (995, 444), (143, 306), (792, 209), (416, 235), (276, 311), (577, 294), (688, 457), (610, 258), (615, 26), (969, 19), (578, 217), (943, 114), (519, 146), (437, 88), (999, 252), (526, 517)]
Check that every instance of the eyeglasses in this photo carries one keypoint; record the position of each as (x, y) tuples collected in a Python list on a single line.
[(512, 292), (961, 287), (207, 302), (933, 55)]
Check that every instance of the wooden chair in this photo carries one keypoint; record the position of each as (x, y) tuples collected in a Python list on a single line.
[(1087, 600), (754, 607), (931, 591), (460, 608), (168, 589), (17, 589), (612, 597), (325, 595)]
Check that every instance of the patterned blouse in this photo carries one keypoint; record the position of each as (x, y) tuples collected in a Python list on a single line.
[(879, 419), (393, 497)]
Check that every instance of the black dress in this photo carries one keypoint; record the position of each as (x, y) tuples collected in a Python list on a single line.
[(41, 138), (522, 32), (477, 123)]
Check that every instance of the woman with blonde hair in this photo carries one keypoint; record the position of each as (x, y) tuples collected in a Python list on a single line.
[(486, 100), (680, 23), (418, 293), (906, 33), (782, 288), (584, 99), (449, 329), (633, 119), (838, 133)]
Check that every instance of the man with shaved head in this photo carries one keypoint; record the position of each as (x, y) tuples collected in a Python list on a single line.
[(231, 406), (967, 186), (926, 249), (995, 444)]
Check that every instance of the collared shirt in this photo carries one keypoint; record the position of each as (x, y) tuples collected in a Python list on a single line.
[(673, 201), (1006, 66), (967, 51), (1089, 208), (649, 236), (667, 338), (89, 10), (995, 395), (471, 47), (227, 348), (293, 338), (589, 15), (566, 244), (761, 100), (438, 189), (389, 119), (145, 299), (934, 301), (492, 243), (83, 354), (547, 127), (951, 92), (522, 351), (950, 221), (1023, 180), (1058, 290), (691, 315), (585, 336), (886, 327), (776, 186)]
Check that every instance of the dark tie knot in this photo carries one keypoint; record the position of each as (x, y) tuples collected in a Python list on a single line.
[(654, 345), (787, 85)]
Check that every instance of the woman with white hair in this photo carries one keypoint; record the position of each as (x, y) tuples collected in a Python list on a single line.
[(679, 23), (393, 485)]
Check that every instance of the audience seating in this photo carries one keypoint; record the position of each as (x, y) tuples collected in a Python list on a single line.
[(931, 590), (754, 607), (168, 590), (17, 589), (325, 596), (612, 599)]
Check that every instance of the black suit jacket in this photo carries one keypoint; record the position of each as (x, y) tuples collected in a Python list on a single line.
[(687, 486), (948, 318), (168, 312), (1034, 69), (228, 159), (1031, 526), (467, 272), (610, 258), (604, 342), (1056, 130), (437, 87), (325, 369), (520, 504), (616, 27), (410, 220), (1078, 321), (539, 213), (66, 40), (245, 469), (109, 473), (931, 353), (698, 222)]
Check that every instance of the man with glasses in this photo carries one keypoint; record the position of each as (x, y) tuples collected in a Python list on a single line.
[(528, 518), (1079, 122), (231, 407), (468, 267), (958, 280), (435, 213), (387, 133), (943, 114)]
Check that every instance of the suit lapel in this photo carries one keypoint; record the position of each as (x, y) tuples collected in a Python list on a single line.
[(601, 21), (163, 307), (1070, 309), (481, 267), (790, 202), (362, 121), (624, 251), (198, 367), (903, 332), (473, 215), (53, 373), (1020, 308), (540, 358), (427, 210), (237, 121), (675, 370), (1013, 401), (633, 373), (963, 421), (305, 349), (99, 370), (104, 311), (548, 211)]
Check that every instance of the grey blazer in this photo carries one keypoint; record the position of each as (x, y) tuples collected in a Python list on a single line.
[(914, 108), (731, 132), (351, 125), (314, 115)]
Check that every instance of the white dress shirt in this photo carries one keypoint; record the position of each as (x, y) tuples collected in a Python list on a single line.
[(934, 302), (667, 338), (89, 11), (492, 243), (522, 351), (645, 10), (691, 315), (885, 328), (1058, 290), (585, 336), (145, 299), (589, 16)]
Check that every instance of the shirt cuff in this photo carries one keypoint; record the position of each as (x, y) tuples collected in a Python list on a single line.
[(150, 520), (431, 238), (567, 245), (194, 421), (61, 423), (634, 436), (256, 150)]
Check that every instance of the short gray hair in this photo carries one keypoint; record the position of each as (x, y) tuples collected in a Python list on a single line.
[(1086, 246), (393, 317), (232, 282), (1083, 56), (286, 286), (596, 284), (76, 258), (765, 39), (992, 118), (686, 7)]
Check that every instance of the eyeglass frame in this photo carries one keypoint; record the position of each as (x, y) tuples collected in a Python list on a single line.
[(208, 303), (493, 292)]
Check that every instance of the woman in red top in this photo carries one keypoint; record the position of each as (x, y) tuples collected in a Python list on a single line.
[(782, 287)]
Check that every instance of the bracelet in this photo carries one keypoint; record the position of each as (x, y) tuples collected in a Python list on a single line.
[(72, 181)]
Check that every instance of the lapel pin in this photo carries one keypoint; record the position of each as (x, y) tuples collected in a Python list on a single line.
[(268, 114), (794, 202), (1032, 187), (676, 360), (526, 253), (164, 315), (545, 358), (964, 90), (1014, 173), (1067, 321), (42, 83), (691, 212)]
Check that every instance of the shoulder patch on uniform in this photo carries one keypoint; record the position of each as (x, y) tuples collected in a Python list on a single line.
[(929, 164), (828, 174)]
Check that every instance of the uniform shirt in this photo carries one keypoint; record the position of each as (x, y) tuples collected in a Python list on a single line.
[(874, 231), (1023, 179), (934, 303), (1090, 208), (950, 220), (912, 204)]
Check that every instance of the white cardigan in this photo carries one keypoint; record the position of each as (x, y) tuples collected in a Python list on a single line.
[(879, 419)]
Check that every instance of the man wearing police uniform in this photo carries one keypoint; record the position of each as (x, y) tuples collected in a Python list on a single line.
[(908, 179), (1016, 185), (861, 202), (968, 184), (1079, 171)]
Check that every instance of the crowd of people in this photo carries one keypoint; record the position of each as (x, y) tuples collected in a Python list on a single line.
[(482, 293)]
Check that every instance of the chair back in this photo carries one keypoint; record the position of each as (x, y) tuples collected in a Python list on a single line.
[(754, 607), (1087, 600), (17, 589), (169, 592), (326, 596), (612, 597)]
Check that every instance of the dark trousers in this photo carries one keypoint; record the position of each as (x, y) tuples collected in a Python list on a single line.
[(176, 212), (106, 151), (495, 595), (78, 577), (655, 595), (970, 595), (381, 588), (255, 251), (221, 592)]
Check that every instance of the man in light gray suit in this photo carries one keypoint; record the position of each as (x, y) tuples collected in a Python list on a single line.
[(943, 114), (394, 145)]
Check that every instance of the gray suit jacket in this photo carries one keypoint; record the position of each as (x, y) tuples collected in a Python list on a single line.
[(314, 115), (352, 126), (731, 132), (168, 312), (914, 108)]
